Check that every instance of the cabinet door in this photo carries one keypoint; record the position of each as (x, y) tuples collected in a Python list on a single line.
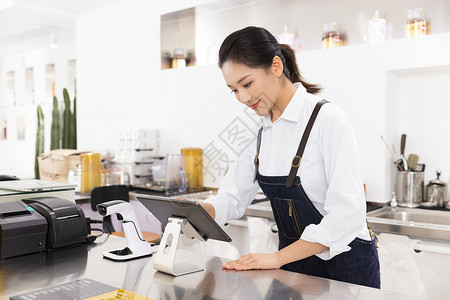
[(408, 271)]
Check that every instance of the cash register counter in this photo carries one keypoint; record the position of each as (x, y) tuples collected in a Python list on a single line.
[(44, 270)]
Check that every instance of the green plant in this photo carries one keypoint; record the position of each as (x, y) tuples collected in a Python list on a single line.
[(67, 140), (39, 140), (55, 137), (74, 124)]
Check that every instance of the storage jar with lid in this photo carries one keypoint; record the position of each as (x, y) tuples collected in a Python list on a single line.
[(193, 158), (179, 60), (330, 36), (416, 25), (376, 28), (436, 192)]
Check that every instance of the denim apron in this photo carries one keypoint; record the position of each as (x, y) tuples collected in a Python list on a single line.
[(293, 211)]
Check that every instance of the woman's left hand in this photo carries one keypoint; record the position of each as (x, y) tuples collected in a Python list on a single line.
[(254, 261)]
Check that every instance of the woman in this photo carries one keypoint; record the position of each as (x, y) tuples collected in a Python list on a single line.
[(306, 162)]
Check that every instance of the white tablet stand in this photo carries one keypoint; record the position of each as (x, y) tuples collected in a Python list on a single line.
[(165, 257)]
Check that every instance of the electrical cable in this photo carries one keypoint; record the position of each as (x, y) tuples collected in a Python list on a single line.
[(136, 230), (148, 221), (107, 226), (90, 221)]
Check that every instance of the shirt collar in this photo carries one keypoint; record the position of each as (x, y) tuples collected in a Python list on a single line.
[(292, 110)]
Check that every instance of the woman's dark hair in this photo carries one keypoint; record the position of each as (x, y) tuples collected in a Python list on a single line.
[(256, 47)]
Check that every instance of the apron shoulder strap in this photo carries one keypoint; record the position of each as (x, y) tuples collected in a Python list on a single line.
[(301, 148), (258, 146)]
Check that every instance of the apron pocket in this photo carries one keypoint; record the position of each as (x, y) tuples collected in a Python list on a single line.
[(287, 218)]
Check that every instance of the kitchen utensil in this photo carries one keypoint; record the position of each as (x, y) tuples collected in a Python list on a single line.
[(412, 161), (402, 152), (436, 192), (175, 178), (394, 159), (409, 189), (419, 168)]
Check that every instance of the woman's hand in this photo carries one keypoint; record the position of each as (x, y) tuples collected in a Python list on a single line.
[(254, 261)]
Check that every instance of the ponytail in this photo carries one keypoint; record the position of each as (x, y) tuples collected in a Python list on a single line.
[(291, 70), (256, 47)]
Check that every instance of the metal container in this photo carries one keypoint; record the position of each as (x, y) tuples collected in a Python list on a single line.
[(436, 192), (410, 188)]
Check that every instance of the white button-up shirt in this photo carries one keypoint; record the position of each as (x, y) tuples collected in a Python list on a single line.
[(329, 172)]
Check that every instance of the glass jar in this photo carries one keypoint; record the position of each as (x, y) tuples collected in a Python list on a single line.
[(74, 177), (179, 60), (191, 60), (376, 28), (330, 36), (166, 60), (90, 172), (416, 25), (193, 159)]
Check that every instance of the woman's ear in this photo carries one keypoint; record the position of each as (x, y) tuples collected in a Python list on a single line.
[(277, 66)]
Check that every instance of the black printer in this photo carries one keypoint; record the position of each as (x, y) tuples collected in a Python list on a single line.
[(37, 224)]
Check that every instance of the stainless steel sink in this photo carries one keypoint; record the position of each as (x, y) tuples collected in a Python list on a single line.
[(421, 223)]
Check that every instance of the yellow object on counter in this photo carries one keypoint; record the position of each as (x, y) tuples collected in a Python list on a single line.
[(193, 160), (120, 294), (90, 172)]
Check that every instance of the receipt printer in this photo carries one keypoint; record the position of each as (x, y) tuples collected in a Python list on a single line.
[(37, 224)]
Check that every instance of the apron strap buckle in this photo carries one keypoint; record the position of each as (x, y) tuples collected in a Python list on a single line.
[(296, 161)]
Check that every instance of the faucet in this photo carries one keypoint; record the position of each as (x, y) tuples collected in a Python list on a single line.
[(393, 200)]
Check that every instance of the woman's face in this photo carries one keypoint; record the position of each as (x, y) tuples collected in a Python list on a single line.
[(255, 87)]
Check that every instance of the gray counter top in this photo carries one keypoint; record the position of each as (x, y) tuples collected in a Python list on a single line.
[(42, 270)]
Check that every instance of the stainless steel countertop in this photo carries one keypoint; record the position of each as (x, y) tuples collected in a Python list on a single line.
[(261, 209), (42, 270)]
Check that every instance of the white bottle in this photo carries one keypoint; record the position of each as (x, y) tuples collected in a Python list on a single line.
[(286, 37), (376, 28)]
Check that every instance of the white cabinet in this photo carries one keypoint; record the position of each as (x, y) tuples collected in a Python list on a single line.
[(404, 270)]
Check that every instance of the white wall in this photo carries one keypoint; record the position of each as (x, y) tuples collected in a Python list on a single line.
[(17, 156), (118, 88), (424, 115)]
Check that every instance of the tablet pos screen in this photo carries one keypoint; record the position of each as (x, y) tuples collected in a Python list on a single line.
[(164, 208)]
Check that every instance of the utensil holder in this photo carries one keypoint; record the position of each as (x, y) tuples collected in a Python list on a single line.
[(410, 188)]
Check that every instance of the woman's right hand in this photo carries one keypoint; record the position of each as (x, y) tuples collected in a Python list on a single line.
[(209, 209)]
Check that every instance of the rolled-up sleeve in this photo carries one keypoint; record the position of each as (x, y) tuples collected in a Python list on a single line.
[(344, 205), (237, 189)]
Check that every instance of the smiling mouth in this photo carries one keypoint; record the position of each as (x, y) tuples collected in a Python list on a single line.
[(254, 106)]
